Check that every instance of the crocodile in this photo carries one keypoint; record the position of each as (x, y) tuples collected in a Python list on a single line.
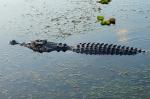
[(83, 48)]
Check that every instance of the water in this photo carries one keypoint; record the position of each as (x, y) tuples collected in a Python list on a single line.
[(25, 74)]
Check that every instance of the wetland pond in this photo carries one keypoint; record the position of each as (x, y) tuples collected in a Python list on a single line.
[(25, 74)]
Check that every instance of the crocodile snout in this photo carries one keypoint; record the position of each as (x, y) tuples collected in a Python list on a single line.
[(13, 42)]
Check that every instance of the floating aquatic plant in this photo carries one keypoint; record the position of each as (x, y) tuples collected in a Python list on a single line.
[(112, 20), (106, 22), (100, 18), (104, 1), (103, 23)]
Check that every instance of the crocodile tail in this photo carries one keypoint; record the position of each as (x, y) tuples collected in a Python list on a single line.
[(146, 51), (105, 49)]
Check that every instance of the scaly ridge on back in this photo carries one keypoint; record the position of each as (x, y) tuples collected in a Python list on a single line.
[(105, 49)]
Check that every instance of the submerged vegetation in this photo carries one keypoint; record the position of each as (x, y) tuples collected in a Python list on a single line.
[(104, 1)]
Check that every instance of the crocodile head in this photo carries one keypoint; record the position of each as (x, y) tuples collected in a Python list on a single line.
[(45, 46)]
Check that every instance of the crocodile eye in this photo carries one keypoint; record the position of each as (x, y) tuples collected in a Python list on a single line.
[(60, 44)]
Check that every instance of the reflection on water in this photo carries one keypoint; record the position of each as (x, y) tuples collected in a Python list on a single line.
[(122, 35), (29, 75)]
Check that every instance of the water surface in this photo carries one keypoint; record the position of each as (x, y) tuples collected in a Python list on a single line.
[(25, 74)]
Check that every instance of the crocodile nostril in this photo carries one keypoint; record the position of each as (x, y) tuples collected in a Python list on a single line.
[(13, 42)]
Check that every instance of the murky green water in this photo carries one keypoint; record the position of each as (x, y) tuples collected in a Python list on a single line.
[(25, 74)]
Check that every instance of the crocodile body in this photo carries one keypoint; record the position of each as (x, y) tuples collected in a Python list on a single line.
[(83, 48)]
